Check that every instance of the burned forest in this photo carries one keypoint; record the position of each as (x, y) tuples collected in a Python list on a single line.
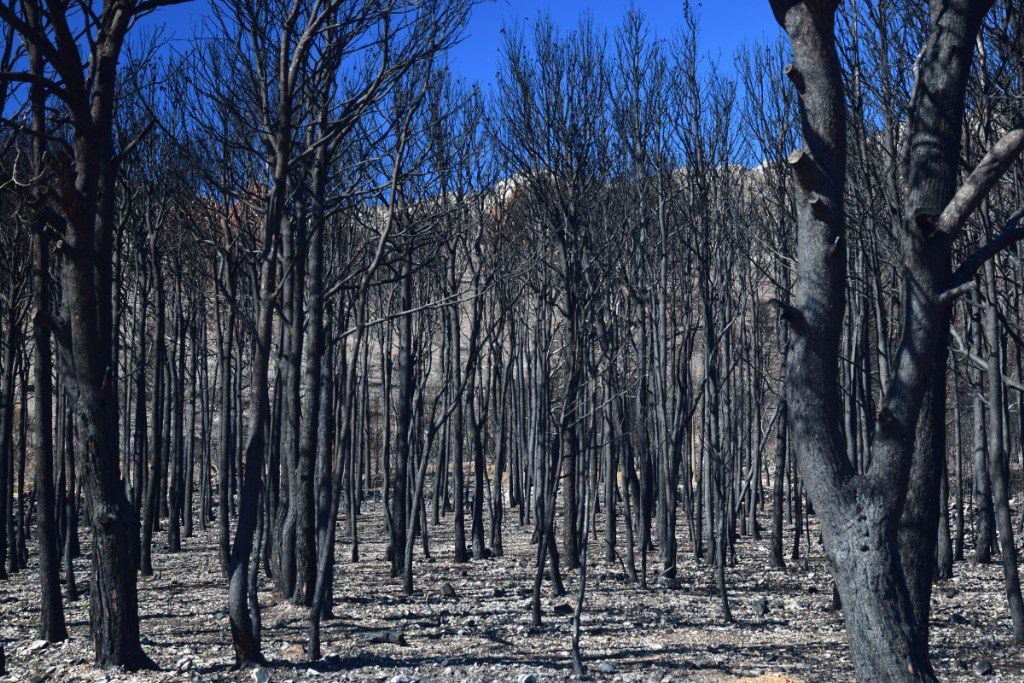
[(654, 357)]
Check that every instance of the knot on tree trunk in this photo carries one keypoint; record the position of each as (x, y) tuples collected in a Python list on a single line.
[(109, 518)]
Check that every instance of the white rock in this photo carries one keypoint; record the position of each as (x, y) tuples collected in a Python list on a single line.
[(37, 645)]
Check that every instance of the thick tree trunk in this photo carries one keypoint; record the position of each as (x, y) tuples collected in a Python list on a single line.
[(88, 365), (884, 641), (860, 512)]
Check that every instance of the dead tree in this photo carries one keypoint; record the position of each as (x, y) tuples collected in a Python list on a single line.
[(860, 513)]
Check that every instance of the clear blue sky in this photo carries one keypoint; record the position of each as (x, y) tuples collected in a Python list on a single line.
[(724, 25)]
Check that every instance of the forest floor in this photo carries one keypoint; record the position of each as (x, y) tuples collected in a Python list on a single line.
[(483, 633)]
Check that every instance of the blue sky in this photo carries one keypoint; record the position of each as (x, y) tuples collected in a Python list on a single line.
[(724, 25)]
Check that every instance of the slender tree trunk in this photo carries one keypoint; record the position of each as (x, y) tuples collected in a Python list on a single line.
[(151, 504), (53, 627), (998, 463)]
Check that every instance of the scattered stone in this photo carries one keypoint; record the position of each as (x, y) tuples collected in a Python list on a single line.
[(492, 596), (37, 645), (379, 637), (39, 677), (401, 678)]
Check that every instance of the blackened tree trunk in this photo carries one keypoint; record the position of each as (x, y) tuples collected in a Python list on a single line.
[(225, 453), (52, 624), (87, 197), (53, 627), (919, 522), (404, 437), (998, 464), (176, 402), (859, 513), (151, 501), (66, 498), (8, 555), (244, 630), (454, 340), (305, 513), (944, 541), (984, 533)]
